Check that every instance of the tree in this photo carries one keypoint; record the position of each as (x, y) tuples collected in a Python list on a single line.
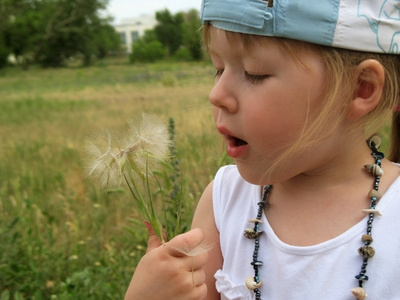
[(147, 51), (19, 22), (169, 30), (5, 51), (106, 40), (179, 33), (73, 29), (191, 34), (147, 48), (51, 31)]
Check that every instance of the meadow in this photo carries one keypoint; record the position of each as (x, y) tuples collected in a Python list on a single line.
[(61, 236)]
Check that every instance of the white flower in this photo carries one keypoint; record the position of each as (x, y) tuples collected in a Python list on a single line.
[(145, 146)]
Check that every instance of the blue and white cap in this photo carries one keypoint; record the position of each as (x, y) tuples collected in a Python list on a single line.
[(364, 25)]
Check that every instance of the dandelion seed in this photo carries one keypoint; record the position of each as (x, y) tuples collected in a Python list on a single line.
[(200, 249), (143, 149), (104, 162)]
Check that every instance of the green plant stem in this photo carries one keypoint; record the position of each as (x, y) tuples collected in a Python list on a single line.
[(142, 205)]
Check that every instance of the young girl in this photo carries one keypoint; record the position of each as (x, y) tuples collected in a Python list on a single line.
[(311, 209)]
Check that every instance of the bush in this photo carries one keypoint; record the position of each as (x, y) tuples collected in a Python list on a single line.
[(4, 53), (147, 51), (183, 54)]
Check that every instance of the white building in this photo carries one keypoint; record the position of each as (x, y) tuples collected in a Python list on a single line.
[(131, 29)]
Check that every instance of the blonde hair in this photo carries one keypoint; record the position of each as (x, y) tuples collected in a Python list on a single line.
[(341, 84)]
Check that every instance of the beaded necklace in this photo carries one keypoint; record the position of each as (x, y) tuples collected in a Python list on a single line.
[(366, 252)]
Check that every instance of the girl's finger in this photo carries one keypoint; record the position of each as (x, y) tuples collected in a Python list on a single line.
[(185, 244)]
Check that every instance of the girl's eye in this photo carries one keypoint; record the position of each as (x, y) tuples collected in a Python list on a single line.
[(255, 78)]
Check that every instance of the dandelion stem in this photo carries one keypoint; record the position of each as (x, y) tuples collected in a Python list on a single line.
[(155, 222)]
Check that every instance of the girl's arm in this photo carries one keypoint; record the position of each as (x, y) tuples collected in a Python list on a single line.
[(204, 219)]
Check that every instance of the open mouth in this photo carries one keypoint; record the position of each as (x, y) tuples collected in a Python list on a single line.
[(236, 141), (235, 147)]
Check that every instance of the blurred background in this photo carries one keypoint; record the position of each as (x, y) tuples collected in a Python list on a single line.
[(69, 68)]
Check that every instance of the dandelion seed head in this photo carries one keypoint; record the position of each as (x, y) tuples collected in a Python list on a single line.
[(151, 137), (142, 149), (104, 161), (147, 144)]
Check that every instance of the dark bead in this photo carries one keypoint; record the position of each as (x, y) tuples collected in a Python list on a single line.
[(257, 263), (364, 266), (362, 277), (378, 155)]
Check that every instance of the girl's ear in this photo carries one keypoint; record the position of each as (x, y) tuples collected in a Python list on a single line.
[(370, 78)]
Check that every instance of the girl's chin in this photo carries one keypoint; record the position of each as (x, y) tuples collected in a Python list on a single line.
[(252, 175)]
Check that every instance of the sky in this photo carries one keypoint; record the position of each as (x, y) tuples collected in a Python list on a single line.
[(126, 9)]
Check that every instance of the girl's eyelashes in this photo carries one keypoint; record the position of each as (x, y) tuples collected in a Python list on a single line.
[(251, 77), (255, 78), (219, 73)]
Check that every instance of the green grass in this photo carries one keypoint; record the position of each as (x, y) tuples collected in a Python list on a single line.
[(61, 237)]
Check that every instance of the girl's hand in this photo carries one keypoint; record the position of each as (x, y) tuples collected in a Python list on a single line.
[(165, 272)]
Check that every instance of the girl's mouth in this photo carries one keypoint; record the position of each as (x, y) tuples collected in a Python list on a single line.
[(235, 147), (236, 141)]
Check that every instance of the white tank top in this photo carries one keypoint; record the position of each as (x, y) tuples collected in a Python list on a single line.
[(321, 272)]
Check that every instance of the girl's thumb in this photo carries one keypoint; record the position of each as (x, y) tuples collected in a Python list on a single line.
[(153, 241), (186, 244)]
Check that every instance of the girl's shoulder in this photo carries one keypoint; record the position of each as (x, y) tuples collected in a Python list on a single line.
[(229, 182), (231, 192), (228, 173)]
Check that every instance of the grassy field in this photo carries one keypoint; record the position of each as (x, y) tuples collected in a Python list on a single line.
[(61, 237)]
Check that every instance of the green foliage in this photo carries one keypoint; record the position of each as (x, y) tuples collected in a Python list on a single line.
[(50, 32), (180, 34), (4, 52), (177, 202), (143, 51), (106, 41), (169, 30), (192, 36), (149, 36), (183, 54)]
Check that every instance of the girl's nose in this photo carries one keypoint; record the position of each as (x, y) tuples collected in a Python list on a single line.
[(222, 94)]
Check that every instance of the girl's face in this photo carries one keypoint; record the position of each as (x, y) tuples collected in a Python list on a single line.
[(262, 101)]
